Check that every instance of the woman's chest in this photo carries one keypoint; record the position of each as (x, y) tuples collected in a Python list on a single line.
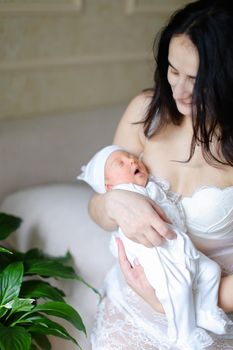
[(167, 158)]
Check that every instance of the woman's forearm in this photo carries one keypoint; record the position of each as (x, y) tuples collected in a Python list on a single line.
[(98, 212), (155, 304), (225, 293)]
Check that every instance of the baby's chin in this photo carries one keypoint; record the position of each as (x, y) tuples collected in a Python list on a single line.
[(141, 180)]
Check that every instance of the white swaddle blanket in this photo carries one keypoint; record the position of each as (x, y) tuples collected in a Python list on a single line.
[(178, 272), (175, 270)]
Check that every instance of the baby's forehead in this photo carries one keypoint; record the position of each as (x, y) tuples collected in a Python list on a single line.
[(114, 158), (117, 154)]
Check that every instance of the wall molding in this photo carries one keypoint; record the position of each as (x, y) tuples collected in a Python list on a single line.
[(139, 7), (73, 61), (72, 8)]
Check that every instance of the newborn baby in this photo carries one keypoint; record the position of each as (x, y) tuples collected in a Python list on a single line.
[(185, 280)]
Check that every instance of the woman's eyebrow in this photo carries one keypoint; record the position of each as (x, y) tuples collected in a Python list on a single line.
[(169, 63), (190, 76)]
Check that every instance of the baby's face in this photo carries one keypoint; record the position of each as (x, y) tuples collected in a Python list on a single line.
[(122, 167)]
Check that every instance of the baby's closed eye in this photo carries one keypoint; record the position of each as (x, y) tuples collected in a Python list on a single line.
[(121, 163)]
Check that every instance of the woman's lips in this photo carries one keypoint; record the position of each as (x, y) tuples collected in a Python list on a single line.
[(186, 103)]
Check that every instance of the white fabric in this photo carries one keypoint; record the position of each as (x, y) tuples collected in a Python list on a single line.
[(174, 270), (93, 172), (210, 219), (209, 223), (124, 320)]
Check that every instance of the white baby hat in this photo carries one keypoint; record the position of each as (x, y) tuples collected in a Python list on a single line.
[(93, 172)]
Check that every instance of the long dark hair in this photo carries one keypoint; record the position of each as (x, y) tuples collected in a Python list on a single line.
[(209, 25)]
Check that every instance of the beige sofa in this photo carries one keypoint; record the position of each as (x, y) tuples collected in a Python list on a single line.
[(40, 158)]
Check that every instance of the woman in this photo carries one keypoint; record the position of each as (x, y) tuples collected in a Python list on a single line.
[(184, 129)]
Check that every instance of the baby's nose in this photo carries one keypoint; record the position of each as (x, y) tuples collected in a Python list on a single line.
[(131, 159)]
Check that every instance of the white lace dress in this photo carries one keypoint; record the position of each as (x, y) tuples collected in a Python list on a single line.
[(126, 322)]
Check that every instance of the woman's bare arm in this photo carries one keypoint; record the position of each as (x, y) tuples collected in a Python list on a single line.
[(225, 296), (98, 212), (127, 136), (139, 218)]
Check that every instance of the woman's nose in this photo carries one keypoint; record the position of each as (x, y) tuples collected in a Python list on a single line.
[(181, 90)]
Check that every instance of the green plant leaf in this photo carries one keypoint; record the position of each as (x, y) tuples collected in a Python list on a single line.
[(14, 338), (63, 310), (3, 311), (34, 347), (8, 224), (10, 282), (40, 255), (42, 341), (4, 250), (20, 305), (37, 263), (41, 289), (48, 268), (79, 278), (7, 259), (45, 326)]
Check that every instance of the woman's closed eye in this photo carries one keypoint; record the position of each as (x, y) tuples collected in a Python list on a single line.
[(174, 72), (192, 79)]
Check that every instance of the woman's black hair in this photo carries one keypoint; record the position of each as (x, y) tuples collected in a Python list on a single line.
[(209, 25)]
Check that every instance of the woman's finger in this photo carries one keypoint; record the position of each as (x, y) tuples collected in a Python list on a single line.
[(136, 278), (154, 237), (145, 239), (131, 273), (160, 212), (123, 260), (163, 228)]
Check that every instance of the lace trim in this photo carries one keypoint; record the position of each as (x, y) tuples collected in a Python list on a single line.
[(114, 329), (124, 321), (173, 197), (199, 340), (166, 186), (227, 322)]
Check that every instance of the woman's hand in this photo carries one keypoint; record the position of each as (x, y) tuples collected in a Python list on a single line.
[(136, 279), (139, 217)]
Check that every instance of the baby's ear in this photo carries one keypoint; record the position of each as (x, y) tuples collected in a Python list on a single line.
[(108, 187)]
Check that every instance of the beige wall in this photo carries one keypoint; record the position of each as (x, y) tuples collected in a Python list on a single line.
[(64, 55)]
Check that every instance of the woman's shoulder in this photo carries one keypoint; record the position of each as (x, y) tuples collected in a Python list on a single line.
[(138, 107), (130, 131)]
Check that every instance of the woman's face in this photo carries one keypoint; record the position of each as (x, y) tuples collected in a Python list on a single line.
[(183, 63)]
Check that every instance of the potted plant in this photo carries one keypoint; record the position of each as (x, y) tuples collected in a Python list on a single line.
[(27, 298)]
